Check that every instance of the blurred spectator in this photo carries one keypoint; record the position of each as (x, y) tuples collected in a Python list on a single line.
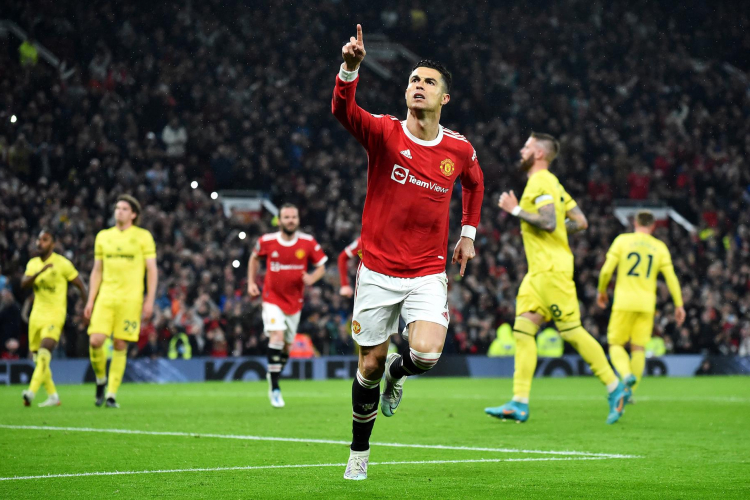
[(174, 136), (28, 54)]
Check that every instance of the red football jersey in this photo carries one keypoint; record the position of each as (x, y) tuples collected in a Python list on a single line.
[(348, 253), (286, 262), (409, 187)]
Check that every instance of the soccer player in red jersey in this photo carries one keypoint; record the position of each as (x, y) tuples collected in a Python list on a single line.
[(412, 167), (288, 254), (347, 253)]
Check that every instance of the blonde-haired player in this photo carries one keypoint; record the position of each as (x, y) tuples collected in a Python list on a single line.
[(639, 258), (49, 274), (122, 255), (548, 291)]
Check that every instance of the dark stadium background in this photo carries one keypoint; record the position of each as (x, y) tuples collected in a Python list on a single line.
[(651, 101)]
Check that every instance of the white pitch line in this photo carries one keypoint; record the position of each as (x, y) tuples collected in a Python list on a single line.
[(296, 466), (315, 441)]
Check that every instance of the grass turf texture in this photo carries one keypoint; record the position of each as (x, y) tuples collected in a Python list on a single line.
[(691, 434)]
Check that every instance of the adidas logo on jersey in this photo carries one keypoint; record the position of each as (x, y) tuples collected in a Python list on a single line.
[(275, 254), (406, 153)]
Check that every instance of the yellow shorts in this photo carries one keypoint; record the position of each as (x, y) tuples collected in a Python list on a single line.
[(44, 328), (551, 294), (630, 326), (123, 319)]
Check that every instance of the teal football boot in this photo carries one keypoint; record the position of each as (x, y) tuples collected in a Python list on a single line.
[(510, 411)]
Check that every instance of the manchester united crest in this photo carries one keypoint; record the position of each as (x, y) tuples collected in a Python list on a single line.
[(356, 327), (447, 167), (300, 254)]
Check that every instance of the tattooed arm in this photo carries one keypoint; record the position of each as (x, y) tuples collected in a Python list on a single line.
[(575, 221), (544, 220)]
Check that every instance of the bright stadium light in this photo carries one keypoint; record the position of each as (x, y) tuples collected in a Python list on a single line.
[(214, 195), (242, 235), (194, 184), (236, 264), (13, 119)]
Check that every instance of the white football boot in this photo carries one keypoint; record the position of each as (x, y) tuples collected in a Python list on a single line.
[(356, 467), (53, 400)]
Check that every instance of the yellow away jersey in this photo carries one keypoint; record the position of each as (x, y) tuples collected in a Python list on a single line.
[(123, 255), (546, 251), (639, 258), (51, 287)]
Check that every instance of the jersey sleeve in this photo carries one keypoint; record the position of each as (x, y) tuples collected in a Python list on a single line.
[(148, 246), (568, 200), (367, 128), (541, 190), (30, 268), (472, 191), (317, 257), (352, 248), (70, 272), (667, 269), (613, 259), (99, 246), (261, 248)]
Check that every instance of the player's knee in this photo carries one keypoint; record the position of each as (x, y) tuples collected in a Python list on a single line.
[(424, 361), (634, 347), (120, 345), (96, 341), (48, 344), (372, 366)]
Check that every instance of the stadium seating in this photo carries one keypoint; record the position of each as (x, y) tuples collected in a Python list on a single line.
[(643, 111)]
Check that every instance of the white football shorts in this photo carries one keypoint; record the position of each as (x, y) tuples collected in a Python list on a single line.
[(379, 300), (274, 320)]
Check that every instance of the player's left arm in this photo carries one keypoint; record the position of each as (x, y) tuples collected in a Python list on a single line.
[(575, 220), (318, 258), (78, 283), (71, 274), (472, 195)]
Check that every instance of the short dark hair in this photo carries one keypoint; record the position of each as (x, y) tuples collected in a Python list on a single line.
[(554, 144), (134, 206), (644, 218), (48, 231), (288, 205), (429, 63)]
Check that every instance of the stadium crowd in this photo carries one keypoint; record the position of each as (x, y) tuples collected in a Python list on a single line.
[(650, 103)]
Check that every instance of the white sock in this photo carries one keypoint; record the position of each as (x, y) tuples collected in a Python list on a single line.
[(101, 381), (518, 399), (612, 386)]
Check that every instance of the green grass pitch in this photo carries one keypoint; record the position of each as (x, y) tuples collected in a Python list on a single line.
[(689, 438)]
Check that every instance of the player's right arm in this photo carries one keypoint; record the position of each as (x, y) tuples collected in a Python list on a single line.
[(546, 220), (252, 268), (605, 275), (28, 279), (95, 280), (365, 127)]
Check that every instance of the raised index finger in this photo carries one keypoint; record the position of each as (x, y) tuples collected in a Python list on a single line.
[(359, 33)]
